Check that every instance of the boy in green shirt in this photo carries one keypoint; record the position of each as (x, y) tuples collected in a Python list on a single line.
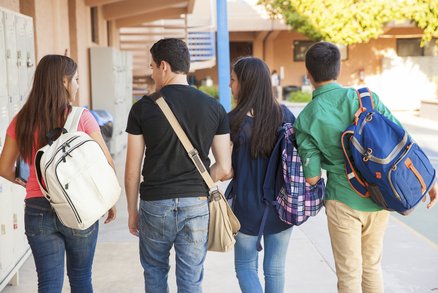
[(356, 225)]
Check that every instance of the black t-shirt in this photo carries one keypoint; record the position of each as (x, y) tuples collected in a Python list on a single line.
[(168, 172)]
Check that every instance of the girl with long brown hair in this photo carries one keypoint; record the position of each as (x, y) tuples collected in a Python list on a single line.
[(254, 123), (54, 89)]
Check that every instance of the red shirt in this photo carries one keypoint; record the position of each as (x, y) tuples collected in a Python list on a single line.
[(87, 124)]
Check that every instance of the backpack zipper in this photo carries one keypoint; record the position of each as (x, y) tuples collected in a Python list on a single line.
[(374, 159), (393, 168), (78, 218), (368, 118), (54, 155)]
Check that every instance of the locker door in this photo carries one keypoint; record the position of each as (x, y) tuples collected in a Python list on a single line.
[(3, 71), (20, 36), (6, 236), (30, 52), (14, 105), (17, 209), (11, 54), (4, 119)]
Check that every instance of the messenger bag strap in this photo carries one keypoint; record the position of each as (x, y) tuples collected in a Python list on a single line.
[(191, 151)]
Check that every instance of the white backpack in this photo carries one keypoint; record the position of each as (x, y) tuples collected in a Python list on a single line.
[(80, 184)]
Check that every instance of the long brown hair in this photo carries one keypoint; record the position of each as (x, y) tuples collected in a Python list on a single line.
[(46, 105), (255, 95)]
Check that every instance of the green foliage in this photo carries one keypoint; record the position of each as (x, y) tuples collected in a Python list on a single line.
[(425, 15), (210, 90), (347, 22), (299, 97)]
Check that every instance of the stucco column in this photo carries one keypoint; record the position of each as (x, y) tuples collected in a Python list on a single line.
[(258, 44), (269, 48)]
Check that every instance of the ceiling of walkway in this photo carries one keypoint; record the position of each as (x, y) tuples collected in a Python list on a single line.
[(139, 23)]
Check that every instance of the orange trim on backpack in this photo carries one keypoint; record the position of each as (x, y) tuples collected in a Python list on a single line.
[(411, 166), (361, 107), (352, 168), (358, 112)]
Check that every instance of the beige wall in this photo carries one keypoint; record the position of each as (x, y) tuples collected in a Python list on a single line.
[(13, 5), (80, 27), (365, 56), (80, 32), (51, 27), (277, 51)]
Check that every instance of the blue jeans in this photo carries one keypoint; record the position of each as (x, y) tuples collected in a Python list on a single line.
[(179, 222), (50, 240), (246, 262)]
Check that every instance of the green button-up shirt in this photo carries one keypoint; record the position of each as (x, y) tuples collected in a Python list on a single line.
[(318, 131)]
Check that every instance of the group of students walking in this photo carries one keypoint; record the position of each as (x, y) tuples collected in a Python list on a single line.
[(173, 206)]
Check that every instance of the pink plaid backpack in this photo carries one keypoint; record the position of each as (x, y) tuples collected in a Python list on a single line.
[(297, 200), (294, 200)]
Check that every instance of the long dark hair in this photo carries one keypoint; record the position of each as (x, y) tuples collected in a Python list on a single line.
[(47, 104), (255, 95)]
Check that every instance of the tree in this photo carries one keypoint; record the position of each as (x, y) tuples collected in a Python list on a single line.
[(349, 22)]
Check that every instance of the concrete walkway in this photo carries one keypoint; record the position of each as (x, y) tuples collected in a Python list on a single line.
[(410, 262)]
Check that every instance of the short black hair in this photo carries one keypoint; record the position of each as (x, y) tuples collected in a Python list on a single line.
[(173, 51), (323, 61)]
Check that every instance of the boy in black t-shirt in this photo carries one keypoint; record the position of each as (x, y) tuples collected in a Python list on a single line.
[(173, 205)]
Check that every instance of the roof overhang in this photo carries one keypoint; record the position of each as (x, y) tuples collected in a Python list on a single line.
[(140, 23)]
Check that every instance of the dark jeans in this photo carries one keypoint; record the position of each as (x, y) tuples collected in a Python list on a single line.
[(50, 240)]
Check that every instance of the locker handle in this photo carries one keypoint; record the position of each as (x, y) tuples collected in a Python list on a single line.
[(29, 62), (18, 58)]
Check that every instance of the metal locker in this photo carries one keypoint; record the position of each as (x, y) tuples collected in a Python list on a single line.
[(11, 53), (14, 105), (3, 71), (30, 51), (20, 37), (20, 241), (14, 248), (4, 119), (7, 260), (111, 98)]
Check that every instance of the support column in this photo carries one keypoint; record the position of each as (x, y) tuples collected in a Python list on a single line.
[(269, 48), (223, 53), (258, 44)]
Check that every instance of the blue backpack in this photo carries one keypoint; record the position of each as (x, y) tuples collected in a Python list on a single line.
[(383, 162)]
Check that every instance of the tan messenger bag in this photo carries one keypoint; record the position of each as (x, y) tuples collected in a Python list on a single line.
[(223, 224)]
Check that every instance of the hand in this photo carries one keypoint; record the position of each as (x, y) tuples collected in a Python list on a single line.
[(433, 195), (133, 223), (112, 212)]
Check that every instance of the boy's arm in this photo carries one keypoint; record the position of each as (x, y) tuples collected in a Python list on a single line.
[(134, 158), (221, 148), (310, 156)]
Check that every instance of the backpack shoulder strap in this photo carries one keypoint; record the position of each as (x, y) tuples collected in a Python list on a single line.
[(72, 122), (356, 183), (273, 176), (365, 98)]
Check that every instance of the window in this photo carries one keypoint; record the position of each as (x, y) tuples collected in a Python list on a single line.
[(94, 25), (411, 47), (301, 47)]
